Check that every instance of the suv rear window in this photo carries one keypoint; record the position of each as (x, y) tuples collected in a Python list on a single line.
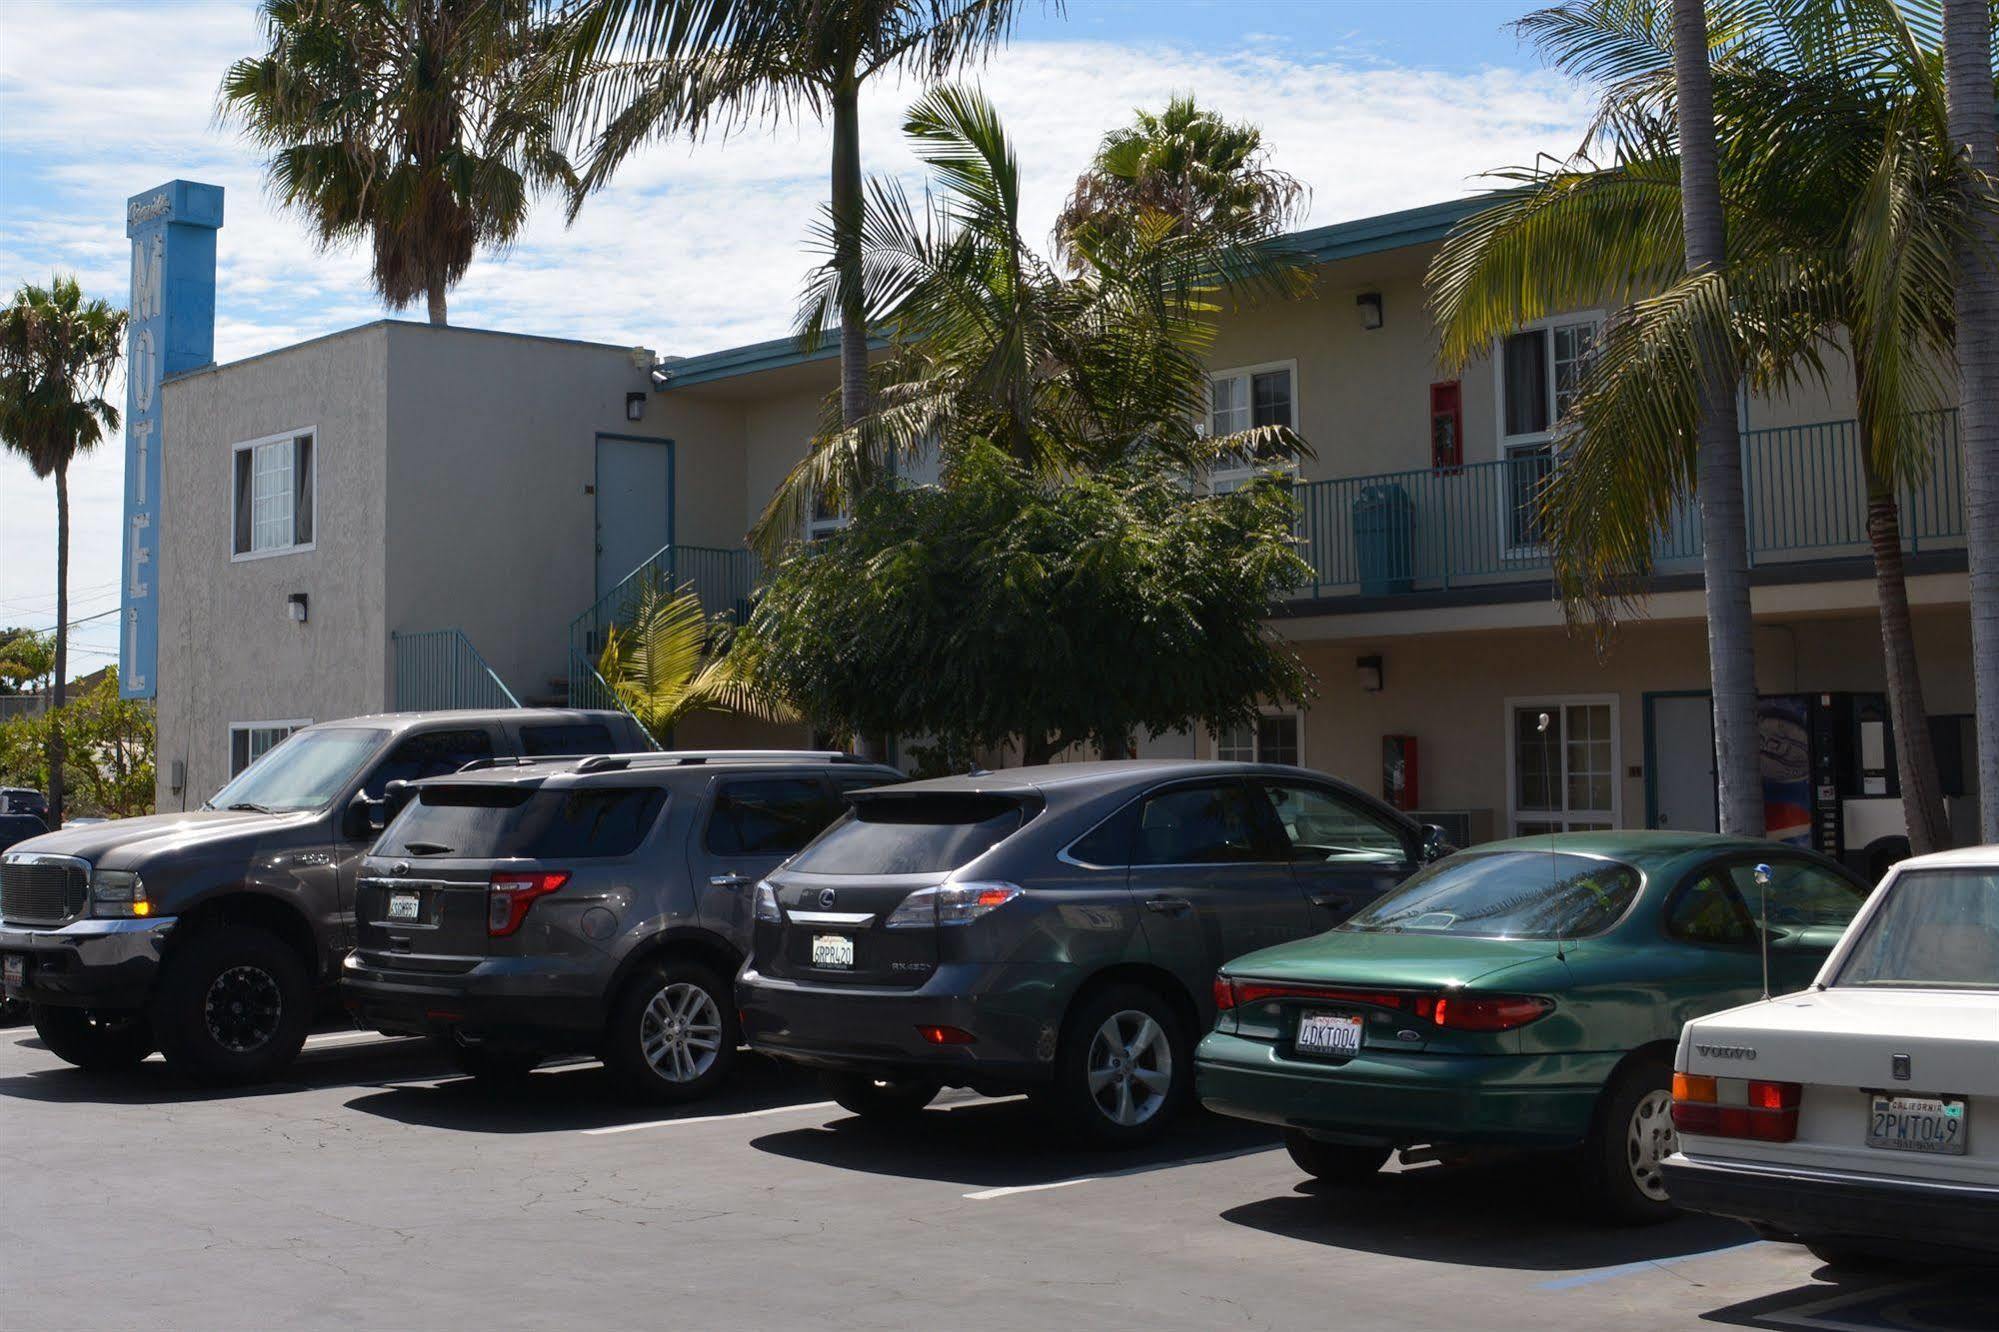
[(491, 822), (912, 834)]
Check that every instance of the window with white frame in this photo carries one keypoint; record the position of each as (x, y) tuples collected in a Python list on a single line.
[(1254, 395), (1540, 370), (825, 518), (1562, 760), (250, 741), (1276, 737), (272, 497)]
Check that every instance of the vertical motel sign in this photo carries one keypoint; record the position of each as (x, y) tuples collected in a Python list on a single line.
[(171, 329)]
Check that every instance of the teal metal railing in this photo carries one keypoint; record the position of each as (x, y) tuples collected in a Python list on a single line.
[(725, 579), (439, 668)]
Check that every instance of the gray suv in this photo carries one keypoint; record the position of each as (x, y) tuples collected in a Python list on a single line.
[(213, 934), (527, 909)]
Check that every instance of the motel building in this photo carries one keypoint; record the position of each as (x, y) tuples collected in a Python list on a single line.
[(399, 516)]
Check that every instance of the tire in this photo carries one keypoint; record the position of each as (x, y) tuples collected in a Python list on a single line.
[(672, 1036), (1632, 1134), (1334, 1162), (499, 1067), (1124, 1069), (881, 1100), (99, 1041), (233, 1006)]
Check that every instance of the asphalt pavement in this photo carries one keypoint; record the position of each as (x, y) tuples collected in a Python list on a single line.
[(377, 1189)]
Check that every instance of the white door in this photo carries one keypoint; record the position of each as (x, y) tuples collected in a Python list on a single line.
[(1682, 759)]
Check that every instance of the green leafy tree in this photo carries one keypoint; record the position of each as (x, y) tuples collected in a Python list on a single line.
[(670, 661), (1841, 201), (1004, 608), (991, 345), (411, 123), (1186, 163), (110, 750), (642, 70), (27, 658), (57, 352)]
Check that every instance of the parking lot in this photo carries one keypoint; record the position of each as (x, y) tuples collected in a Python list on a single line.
[(375, 1188)]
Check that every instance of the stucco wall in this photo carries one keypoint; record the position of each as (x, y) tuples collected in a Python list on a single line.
[(228, 650)]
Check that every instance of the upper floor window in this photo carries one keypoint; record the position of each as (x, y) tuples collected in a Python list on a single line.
[(272, 498), (1540, 371), (1255, 395)]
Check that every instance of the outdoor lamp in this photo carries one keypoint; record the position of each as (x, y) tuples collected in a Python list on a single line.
[(1370, 309), (295, 607), (1368, 671), (635, 406)]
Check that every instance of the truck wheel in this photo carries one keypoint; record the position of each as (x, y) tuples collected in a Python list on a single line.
[(672, 1036), (99, 1040), (233, 1005), (1125, 1069), (1633, 1133), (1334, 1162), (880, 1100)]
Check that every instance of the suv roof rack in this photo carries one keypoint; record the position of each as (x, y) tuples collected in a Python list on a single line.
[(514, 761), (689, 757)]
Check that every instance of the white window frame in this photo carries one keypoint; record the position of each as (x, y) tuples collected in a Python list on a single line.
[(1515, 815), (1508, 446), (1297, 715), (236, 497), (291, 725), (1221, 480)]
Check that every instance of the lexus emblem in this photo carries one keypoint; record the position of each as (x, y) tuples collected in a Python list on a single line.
[(1899, 1066), (825, 897), (400, 867)]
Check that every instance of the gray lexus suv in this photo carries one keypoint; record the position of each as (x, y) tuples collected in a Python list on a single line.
[(524, 909)]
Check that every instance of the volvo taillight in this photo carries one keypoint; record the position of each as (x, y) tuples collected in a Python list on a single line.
[(1736, 1107), (509, 896)]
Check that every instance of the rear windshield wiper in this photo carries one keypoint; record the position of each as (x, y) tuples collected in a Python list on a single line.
[(427, 849), (253, 807)]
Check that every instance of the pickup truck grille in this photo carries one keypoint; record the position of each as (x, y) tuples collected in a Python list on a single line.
[(42, 893)]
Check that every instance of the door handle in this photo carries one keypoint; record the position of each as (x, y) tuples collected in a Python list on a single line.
[(1329, 899), (728, 880), (1168, 906)]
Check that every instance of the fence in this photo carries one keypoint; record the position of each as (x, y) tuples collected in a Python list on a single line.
[(439, 668)]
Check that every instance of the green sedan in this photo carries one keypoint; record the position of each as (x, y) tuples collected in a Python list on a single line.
[(1520, 995)]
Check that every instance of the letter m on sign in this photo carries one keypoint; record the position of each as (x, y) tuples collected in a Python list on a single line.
[(148, 257)]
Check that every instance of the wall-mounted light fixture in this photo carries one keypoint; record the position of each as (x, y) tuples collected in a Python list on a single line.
[(295, 606), (1367, 670), (635, 406), (1370, 309)]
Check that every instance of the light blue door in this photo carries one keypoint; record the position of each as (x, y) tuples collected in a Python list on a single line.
[(634, 505)]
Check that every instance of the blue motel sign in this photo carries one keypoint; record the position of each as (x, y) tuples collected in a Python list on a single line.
[(171, 329)]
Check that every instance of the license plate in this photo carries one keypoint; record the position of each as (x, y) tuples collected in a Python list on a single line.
[(405, 906), (834, 951), (1336, 1033), (15, 969), (1932, 1124)]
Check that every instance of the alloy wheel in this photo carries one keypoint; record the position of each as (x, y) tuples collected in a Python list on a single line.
[(242, 1008), (1130, 1068), (681, 1032), (1650, 1139)]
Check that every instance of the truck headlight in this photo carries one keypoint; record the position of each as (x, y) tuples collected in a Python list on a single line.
[(118, 893)]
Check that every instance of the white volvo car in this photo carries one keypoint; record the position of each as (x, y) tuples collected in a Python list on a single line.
[(1860, 1117)]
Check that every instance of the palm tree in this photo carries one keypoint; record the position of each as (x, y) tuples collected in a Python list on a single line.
[(1968, 52), (664, 667), (1189, 164), (643, 70), (57, 352), (412, 123), (1841, 201), (989, 344)]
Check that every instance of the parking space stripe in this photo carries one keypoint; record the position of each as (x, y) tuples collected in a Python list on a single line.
[(1597, 1274), (984, 1195), (709, 1119)]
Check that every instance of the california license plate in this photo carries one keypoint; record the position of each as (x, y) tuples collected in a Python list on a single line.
[(405, 906), (1933, 1124), (833, 951), (14, 971), (1335, 1034)]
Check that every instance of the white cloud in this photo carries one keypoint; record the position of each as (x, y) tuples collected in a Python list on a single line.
[(692, 248)]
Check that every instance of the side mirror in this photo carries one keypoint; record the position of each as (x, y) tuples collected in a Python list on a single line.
[(394, 796), (1435, 846), (364, 818)]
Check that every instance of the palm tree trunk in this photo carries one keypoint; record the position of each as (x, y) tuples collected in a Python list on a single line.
[(1718, 466), (436, 294), (1967, 36), (847, 250), (60, 693), (1915, 761)]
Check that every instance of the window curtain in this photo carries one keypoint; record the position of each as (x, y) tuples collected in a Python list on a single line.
[(244, 502), (1526, 377), (302, 491)]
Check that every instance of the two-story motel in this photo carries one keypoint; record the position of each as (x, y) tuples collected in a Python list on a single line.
[(399, 515)]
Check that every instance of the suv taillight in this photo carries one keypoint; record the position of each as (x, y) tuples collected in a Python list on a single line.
[(509, 896), (1736, 1107)]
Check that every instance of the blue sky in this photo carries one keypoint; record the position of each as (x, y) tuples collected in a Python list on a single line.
[(1376, 106)]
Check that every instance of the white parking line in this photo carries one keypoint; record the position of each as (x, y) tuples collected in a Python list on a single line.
[(984, 1195), (710, 1119)]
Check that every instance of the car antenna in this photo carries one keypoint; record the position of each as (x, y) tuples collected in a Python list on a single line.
[(1763, 924), (1554, 864)]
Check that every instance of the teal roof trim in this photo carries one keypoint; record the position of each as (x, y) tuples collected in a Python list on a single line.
[(757, 356)]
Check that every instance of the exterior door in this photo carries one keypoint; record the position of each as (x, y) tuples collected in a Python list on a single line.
[(1212, 878), (1682, 759), (634, 505), (1343, 854)]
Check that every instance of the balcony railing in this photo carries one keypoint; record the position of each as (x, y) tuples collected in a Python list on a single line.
[(724, 578), (439, 668)]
